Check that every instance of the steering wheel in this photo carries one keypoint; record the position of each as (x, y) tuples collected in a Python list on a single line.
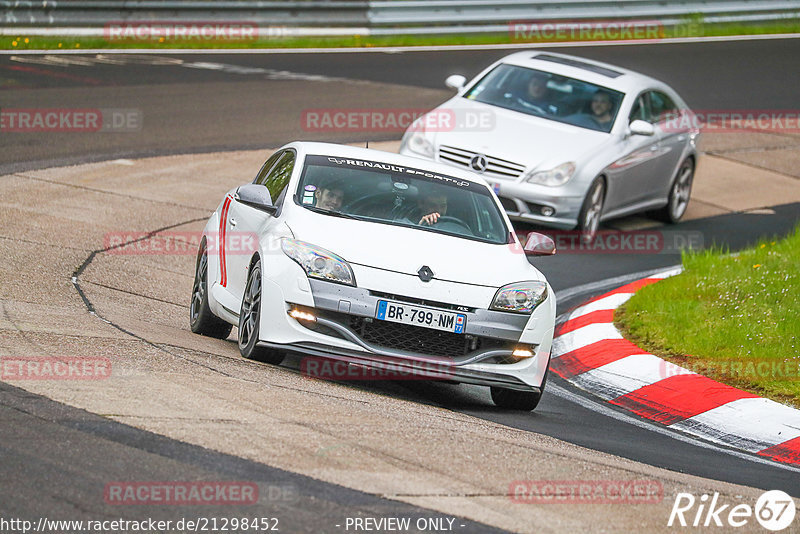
[(363, 204), (527, 105), (447, 219)]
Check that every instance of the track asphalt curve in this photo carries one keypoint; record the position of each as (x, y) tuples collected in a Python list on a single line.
[(199, 109), (75, 454)]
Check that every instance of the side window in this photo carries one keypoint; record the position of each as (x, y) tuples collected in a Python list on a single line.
[(279, 201), (275, 174), (261, 177), (641, 109), (663, 106), (278, 177)]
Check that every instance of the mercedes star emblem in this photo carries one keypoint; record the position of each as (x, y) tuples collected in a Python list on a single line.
[(479, 163)]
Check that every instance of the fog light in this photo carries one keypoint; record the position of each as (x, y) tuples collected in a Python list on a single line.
[(547, 211), (301, 315), (522, 352)]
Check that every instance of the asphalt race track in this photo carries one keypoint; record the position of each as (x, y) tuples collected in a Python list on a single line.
[(216, 104), (195, 104)]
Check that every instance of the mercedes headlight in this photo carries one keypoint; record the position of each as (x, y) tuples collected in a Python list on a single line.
[(521, 297), (318, 262), (553, 177), (416, 140)]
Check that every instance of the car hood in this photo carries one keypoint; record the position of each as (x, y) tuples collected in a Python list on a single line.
[(406, 250), (527, 140)]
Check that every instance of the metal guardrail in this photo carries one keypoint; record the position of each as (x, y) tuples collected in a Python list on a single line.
[(92, 13), (375, 16), (494, 11)]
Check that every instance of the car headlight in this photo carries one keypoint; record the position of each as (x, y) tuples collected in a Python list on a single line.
[(416, 141), (318, 262), (554, 177), (521, 297)]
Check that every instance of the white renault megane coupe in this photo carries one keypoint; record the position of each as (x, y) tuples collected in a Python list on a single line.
[(573, 141), (380, 261)]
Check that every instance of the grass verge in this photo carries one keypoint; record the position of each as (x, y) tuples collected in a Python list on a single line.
[(734, 318), (693, 27)]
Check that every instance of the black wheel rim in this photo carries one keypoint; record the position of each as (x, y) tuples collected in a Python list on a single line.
[(248, 320), (199, 289)]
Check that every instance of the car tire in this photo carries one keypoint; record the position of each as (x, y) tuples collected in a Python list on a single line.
[(592, 210), (679, 193), (201, 319), (511, 399), (250, 320)]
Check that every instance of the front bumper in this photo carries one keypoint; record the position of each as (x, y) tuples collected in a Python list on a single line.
[(525, 202), (417, 368), (346, 330)]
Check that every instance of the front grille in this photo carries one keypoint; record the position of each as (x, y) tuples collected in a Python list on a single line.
[(508, 204), (500, 168), (414, 338)]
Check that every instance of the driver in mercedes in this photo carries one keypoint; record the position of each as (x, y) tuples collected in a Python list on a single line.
[(538, 97)]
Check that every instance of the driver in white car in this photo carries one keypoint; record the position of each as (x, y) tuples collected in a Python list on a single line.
[(434, 205), (330, 196)]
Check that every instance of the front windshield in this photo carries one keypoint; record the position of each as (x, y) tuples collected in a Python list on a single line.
[(549, 96), (401, 196)]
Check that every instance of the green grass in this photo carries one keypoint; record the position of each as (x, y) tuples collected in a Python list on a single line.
[(693, 27), (732, 317)]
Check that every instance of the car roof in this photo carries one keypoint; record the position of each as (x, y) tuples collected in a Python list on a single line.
[(588, 70), (369, 154)]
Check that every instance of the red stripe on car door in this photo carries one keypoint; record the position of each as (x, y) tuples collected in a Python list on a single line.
[(223, 225)]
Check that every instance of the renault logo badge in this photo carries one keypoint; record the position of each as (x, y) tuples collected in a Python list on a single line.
[(425, 273)]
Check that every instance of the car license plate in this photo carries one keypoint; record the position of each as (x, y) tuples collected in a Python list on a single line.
[(400, 312)]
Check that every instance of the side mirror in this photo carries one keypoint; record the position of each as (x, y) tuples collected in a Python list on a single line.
[(455, 81), (639, 127), (538, 244), (256, 196)]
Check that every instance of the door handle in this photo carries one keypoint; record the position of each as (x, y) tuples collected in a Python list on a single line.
[(232, 221), (653, 148)]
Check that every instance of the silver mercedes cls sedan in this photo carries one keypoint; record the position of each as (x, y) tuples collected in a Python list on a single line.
[(569, 142)]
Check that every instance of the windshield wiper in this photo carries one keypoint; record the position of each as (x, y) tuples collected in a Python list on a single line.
[(333, 213)]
